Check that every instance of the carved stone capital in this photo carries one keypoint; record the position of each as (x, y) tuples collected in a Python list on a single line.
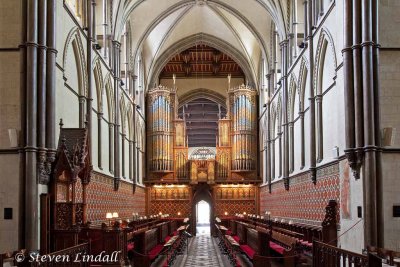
[(355, 158)]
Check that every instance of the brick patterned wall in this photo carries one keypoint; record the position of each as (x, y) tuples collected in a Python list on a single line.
[(170, 200), (304, 202), (234, 206), (235, 199), (171, 207), (101, 198)]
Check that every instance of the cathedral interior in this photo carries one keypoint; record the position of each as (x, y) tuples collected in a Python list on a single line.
[(199, 133)]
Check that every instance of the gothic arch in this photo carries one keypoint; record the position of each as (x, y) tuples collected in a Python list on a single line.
[(293, 87), (110, 98), (74, 39), (302, 83), (201, 192), (325, 40), (99, 82), (123, 110), (203, 38), (202, 93)]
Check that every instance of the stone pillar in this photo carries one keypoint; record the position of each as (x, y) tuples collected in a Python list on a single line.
[(291, 146), (320, 133), (358, 90), (116, 70), (99, 140), (51, 142), (43, 176), (349, 86), (82, 111), (378, 138), (285, 92), (370, 166), (31, 186), (268, 133), (313, 171), (302, 141), (111, 147), (123, 136)]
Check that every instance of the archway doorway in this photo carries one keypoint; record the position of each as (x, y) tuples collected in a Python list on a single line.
[(203, 211)]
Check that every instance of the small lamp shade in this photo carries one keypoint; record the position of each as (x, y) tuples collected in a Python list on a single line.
[(109, 215), (115, 215)]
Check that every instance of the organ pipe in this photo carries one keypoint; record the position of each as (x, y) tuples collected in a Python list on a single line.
[(244, 128)]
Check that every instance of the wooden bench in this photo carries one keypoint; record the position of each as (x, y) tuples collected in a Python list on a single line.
[(285, 245), (253, 242), (147, 247)]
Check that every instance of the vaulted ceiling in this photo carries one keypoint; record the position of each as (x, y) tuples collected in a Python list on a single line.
[(163, 29)]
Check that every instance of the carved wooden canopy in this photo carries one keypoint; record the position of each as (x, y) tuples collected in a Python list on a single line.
[(73, 157)]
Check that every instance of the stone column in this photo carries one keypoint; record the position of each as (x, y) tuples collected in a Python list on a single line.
[(123, 136), (313, 171), (82, 111), (320, 133), (291, 146), (378, 140), (99, 140), (91, 7), (305, 3), (31, 186), (349, 86), (43, 176), (358, 90), (268, 133), (370, 167), (116, 70), (111, 147), (285, 89), (105, 24), (302, 141), (51, 142)]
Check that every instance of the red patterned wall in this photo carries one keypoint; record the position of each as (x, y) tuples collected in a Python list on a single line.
[(235, 199), (234, 206), (101, 198), (304, 202), (170, 200)]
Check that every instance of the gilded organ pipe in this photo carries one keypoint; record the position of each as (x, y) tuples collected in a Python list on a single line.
[(243, 102)]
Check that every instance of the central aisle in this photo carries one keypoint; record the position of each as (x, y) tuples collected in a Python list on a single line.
[(202, 251)]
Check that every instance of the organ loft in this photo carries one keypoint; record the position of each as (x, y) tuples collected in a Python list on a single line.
[(234, 158), (176, 133)]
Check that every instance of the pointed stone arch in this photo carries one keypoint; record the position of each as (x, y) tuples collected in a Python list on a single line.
[(74, 39), (302, 83), (209, 40), (99, 82), (110, 98), (293, 87), (325, 42)]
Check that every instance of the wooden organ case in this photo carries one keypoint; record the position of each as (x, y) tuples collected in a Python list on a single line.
[(236, 157), (236, 150), (167, 152)]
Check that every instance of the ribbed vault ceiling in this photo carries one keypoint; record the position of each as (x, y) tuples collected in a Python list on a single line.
[(244, 26)]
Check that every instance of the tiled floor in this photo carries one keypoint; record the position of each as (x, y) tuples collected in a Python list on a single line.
[(202, 252)]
